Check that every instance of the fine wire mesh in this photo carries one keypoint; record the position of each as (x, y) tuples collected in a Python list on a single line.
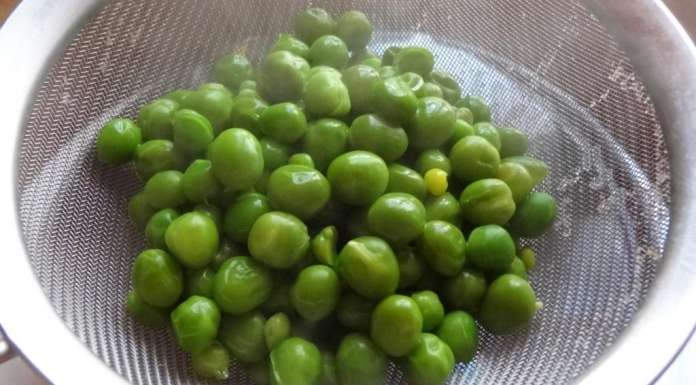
[(546, 66)]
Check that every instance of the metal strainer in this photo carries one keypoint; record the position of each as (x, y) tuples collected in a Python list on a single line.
[(616, 274)]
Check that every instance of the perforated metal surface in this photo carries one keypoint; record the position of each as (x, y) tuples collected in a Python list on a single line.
[(547, 66)]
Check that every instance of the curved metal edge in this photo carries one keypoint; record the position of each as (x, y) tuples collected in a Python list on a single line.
[(32, 38), (664, 58)]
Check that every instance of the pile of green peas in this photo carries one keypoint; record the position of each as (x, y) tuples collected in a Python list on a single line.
[(329, 209)]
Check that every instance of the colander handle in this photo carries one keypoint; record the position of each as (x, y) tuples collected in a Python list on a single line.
[(6, 350)]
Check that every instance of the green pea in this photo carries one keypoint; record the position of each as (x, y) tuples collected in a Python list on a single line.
[(397, 217), (429, 89), (279, 300), (413, 80), (433, 123), (295, 362), (396, 325), (443, 247), (139, 210), (193, 239), (360, 80), (394, 100), (329, 50), (466, 115), (247, 111), (474, 158), (324, 140), (372, 133), (389, 55), (488, 132), (216, 87), (354, 311), (386, 72), (513, 142), (355, 29), (279, 240), (373, 62), (517, 268), (302, 159), (360, 55), (358, 178), (360, 362), (226, 251), (325, 69), (275, 154), (444, 207), (276, 330), (241, 284), (406, 180), (195, 323), (326, 96), (179, 96), (464, 291), (478, 108), (117, 141), (508, 305), (244, 336), (157, 225), (144, 312), (312, 23), (199, 183), (414, 59), (165, 190), (214, 104), (517, 179), (328, 369), (536, 168), (284, 122), (155, 119), (315, 292), (490, 247), (458, 330), (411, 268), (430, 362), (487, 201), (534, 215), (287, 42), (156, 155), (213, 212), (369, 266), (199, 282), (430, 159), (212, 362), (430, 307), (242, 214), (324, 245), (528, 257), (298, 190), (461, 129), (237, 159), (232, 69), (282, 76), (449, 86)]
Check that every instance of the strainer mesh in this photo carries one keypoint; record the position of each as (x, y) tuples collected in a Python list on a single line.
[(547, 66)]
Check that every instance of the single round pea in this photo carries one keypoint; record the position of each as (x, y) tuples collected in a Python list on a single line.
[(371, 133), (199, 282), (508, 305), (326, 69), (373, 62), (315, 292), (458, 330), (139, 210), (397, 217), (155, 119), (490, 247), (513, 142), (214, 104), (444, 207), (487, 201), (396, 325), (430, 362), (298, 190), (165, 190), (355, 29), (414, 59), (278, 239), (195, 323), (430, 307), (241, 284), (117, 141), (433, 123), (325, 95), (284, 122), (465, 115), (275, 154), (386, 72), (324, 140), (436, 181), (517, 268), (144, 312), (534, 215), (295, 362), (276, 330), (360, 362), (178, 95), (216, 87), (411, 268), (464, 291), (199, 183), (517, 178), (324, 245), (536, 168), (302, 159), (156, 155), (244, 336), (329, 50), (461, 129), (157, 225), (237, 159), (193, 239), (429, 89), (312, 23), (389, 55), (369, 266), (282, 76), (241, 215), (442, 245), (212, 362), (232, 69), (287, 42), (248, 85), (247, 111), (430, 159), (328, 369), (406, 180), (528, 257), (358, 177), (488, 132), (394, 100), (474, 158), (360, 80), (354, 311), (478, 108), (449, 86)]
